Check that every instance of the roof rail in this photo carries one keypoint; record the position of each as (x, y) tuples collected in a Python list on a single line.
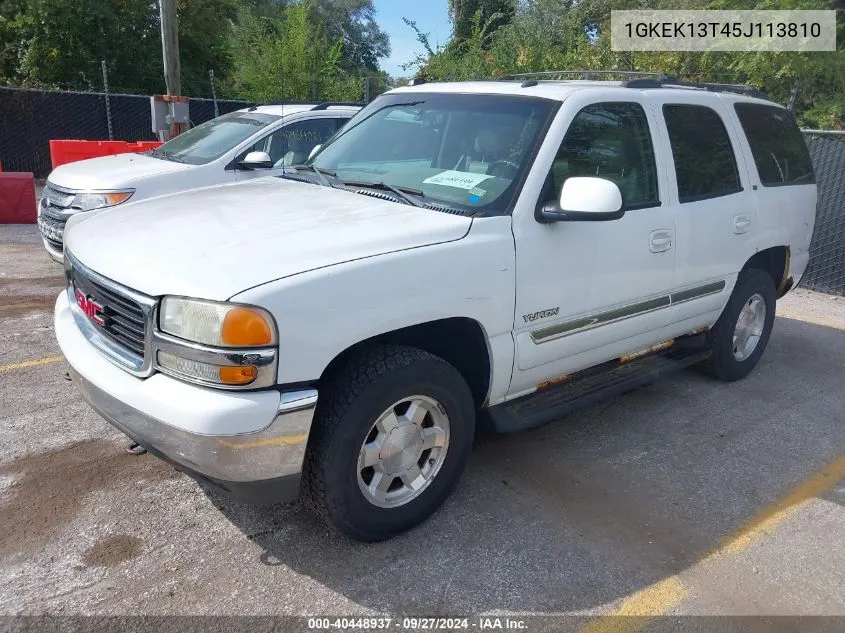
[(672, 82), (328, 104), (582, 74), (316, 104)]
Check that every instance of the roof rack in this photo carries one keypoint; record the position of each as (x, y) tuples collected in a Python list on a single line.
[(583, 74), (672, 82)]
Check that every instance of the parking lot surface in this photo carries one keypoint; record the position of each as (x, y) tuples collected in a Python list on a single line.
[(688, 496)]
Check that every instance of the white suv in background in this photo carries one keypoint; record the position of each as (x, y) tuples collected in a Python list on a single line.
[(496, 251), (249, 143)]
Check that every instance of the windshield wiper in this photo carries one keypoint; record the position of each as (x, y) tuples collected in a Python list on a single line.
[(401, 192), (320, 171)]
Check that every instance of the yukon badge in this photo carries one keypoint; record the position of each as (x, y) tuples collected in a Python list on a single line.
[(542, 314)]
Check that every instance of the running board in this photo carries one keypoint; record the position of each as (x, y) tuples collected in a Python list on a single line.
[(557, 398)]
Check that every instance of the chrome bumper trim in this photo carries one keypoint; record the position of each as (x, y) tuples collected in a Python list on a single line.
[(276, 451)]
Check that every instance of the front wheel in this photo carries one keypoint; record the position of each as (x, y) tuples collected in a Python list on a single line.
[(741, 334), (391, 436)]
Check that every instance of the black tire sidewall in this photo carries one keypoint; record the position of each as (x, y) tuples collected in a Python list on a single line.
[(753, 281), (347, 506)]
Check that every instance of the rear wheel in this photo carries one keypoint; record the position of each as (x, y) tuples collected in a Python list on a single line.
[(391, 436), (741, 334)]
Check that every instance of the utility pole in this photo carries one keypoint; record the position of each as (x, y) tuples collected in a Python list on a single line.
[(169, 112), (170, 47)]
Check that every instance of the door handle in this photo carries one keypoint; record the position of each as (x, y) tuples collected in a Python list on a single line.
[(660, 241), (741, 224)]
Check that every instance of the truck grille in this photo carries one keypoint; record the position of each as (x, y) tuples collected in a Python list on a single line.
[(116, 315), (52, 230), (53, 215)]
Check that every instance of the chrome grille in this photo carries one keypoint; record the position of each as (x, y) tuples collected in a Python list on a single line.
[(54, 211), (123, 317), (52, 231)]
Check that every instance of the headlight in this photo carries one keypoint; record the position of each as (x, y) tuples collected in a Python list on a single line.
[(218, 324), (216, 344), (91, 201)]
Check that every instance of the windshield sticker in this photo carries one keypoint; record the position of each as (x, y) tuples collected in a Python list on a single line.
[(477, 191), (457, 179)]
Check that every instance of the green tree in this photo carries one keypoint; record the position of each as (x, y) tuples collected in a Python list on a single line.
[(60, 44), (574, 34), (16, 26), (289, 57), (354, 23), (467, 14)]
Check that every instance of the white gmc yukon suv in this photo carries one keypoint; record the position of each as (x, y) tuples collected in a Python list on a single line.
[(497, 251)]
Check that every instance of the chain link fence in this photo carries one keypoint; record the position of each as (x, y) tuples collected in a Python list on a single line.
[(30, 118), (826, 270)]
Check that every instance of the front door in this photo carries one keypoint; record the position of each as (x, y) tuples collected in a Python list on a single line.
[(588, 292)]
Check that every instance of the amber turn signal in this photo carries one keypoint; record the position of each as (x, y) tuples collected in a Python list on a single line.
[(238, 375), (117, 198), (243, 327)]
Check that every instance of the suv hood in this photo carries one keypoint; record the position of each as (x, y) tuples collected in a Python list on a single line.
[(111, 172), (214, 243)]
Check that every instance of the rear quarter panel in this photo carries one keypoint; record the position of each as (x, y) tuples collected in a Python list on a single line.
[(786, 215)]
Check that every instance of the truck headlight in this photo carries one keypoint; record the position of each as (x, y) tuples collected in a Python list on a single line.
[(217, 344), (218, 324), (89, 201)]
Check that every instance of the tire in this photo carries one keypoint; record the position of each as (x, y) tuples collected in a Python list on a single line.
[(364, 392), (730, 360)]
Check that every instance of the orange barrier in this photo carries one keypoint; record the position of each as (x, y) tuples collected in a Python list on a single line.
[(17, 198), (66, 151)]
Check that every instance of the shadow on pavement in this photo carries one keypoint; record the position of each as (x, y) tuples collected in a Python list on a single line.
[(594, 507)]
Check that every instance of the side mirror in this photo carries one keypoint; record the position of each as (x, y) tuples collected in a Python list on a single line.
[(584, 199), (314, 151), (257, 160)]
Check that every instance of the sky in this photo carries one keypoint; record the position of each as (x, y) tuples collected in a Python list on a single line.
[(431, 16)]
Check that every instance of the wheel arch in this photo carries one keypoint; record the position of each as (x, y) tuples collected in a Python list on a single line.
[(774, 261), (460, 341)]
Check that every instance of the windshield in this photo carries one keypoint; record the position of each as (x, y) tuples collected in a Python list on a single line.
[(464, 150), (211, 140)]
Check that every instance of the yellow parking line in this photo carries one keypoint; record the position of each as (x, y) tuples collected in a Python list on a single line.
[(31, 363), (771, 516), (637, 610), (661, 597)]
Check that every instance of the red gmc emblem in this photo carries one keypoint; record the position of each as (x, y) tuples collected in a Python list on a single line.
[(90, 308)]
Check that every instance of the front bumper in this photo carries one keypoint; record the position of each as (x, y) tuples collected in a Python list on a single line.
[(250, 445)]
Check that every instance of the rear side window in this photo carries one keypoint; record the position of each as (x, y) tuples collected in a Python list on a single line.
[(776, 144), (705, 165)]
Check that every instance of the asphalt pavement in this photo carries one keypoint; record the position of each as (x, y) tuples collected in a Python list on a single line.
[(688, 496)]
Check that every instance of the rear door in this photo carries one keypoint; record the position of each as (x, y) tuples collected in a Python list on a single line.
[(715, 210)]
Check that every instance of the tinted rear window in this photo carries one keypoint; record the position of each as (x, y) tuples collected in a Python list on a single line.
[(777, 145), (705, 166)]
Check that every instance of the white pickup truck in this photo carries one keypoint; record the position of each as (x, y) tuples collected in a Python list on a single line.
[(502, 251)]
